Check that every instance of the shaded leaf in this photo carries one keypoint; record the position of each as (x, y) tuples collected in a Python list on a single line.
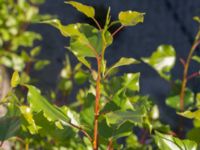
[(131, 18), (196, 58), (86, 10), (15, 80), (193, 134), (8, 127), (174, 100), (167, 142), (162, 60), (118, 118), (40, 64)]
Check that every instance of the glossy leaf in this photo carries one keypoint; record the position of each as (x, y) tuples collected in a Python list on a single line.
[(162, 60), (131, 18), (123, 62), (191, 115), (87, 10), (39, 104), (196, 58), (27, 114), (131, 81), (8, 127), (167, 142), (66, 30), (15, 80)]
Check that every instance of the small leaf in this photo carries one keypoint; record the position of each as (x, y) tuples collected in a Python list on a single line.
[(40, 64), (15, 80), (191, 115), (196, 18), (123, 62), (86, 10), (167, 142), (162, 60), (35, 51), (131, 18), (196, 58), (84, 61)]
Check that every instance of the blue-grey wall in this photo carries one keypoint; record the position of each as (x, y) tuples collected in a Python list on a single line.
[(166, 22)]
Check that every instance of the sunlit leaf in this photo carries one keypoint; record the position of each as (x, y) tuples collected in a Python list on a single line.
[(131, 81), (15, 80), (87, 10), (162, 60), (35, 51), (27, 113), (168, 142), (39, 104), (191, 114), (123, 62), (131, 18)]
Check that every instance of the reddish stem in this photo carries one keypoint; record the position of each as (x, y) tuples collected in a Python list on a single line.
[(110, 145), (96, 108), (114, 33), (193, 75)]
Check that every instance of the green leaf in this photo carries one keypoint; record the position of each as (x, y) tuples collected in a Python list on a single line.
[(89, 44), (15, 80), (193, 134), (40, 64), (35, 51), (118, 118), (67, 30), (80, 77), (196, 58), (28, 116), (84, 61), (131, 81), (122, 62), (191, 115), (167, 142), (8, 127), (162, 60), (86, 10), (39, 104), (131, 18), (174, 100)]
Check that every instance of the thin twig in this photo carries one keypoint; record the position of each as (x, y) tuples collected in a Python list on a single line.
[(96, 22), (193, 75), (185, 73), (110, 145), (116, 31), (82, 130)]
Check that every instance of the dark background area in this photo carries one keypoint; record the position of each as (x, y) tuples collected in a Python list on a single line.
[(166, 22)]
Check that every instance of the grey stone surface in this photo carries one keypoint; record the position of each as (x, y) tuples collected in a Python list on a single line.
[(166, 22)]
